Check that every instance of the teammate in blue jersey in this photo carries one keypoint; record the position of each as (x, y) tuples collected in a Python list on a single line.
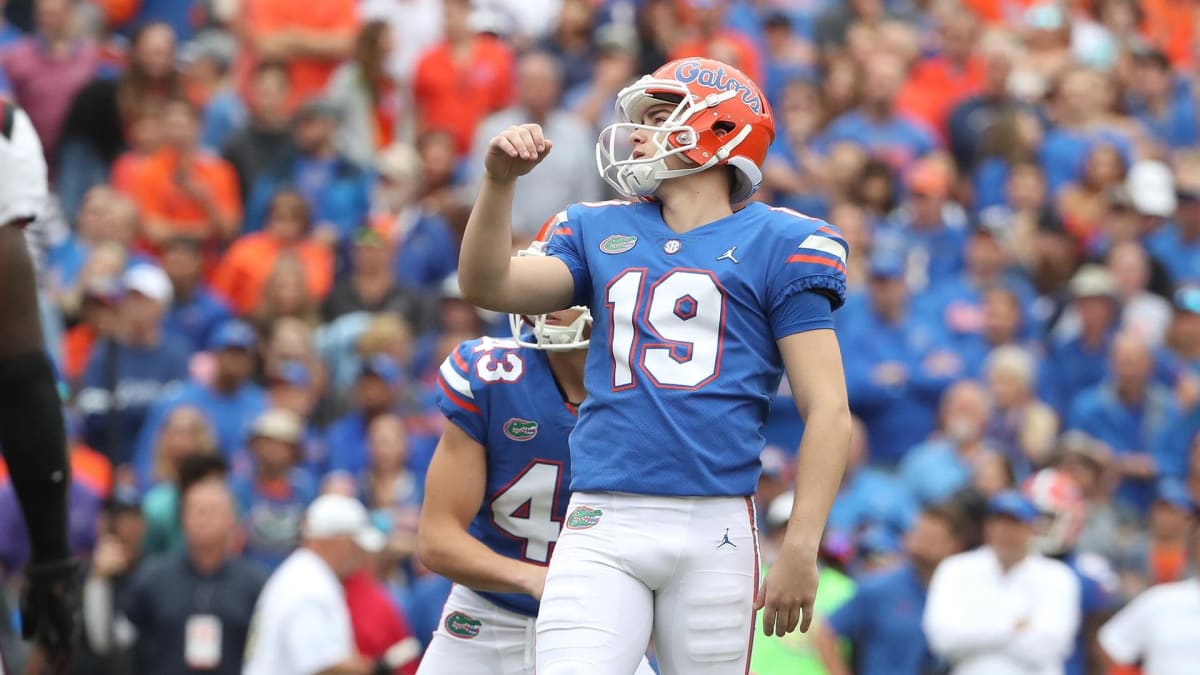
[(496, 492), (700, 305)]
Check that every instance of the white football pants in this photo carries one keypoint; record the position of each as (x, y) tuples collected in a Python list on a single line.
[(627, 567), (503, 644)]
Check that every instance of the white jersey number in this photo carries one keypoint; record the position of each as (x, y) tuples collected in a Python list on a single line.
[(684, 311), (508, 368), (532, 495)]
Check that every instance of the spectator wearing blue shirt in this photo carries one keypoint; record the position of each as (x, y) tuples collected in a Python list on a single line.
[(1022, 428), (273, 496), (337, 190), (868, 495), (1162, 100), (882, 620), (231, 401), (375, 393), (1079, 107), (1128, 412), (1081, 362), (941, 466), (972, 120), (876, 125), (1177, 244), (792, 171), (928, 227), (894, 374), (196, 311), (126, 375), (425, 252)]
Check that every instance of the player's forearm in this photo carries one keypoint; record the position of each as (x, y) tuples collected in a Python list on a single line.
[(461, 558), (819, 469), (486, 254)]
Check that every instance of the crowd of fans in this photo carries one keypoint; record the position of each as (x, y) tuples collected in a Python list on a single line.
[(249, 273)]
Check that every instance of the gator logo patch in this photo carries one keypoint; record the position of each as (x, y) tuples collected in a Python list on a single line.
[(583, 517), (618, 243), (518, 429), (463, 626)]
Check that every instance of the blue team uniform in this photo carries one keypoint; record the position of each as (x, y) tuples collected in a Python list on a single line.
[(505, 398), (683, 360)]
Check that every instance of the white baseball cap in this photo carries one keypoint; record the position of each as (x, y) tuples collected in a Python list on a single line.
[(150, 281), (23, 185), (340, 516), (1151, 186)]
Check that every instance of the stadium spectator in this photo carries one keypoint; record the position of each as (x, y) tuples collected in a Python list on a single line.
[(1080, 360), (1023, 428), (1177, 244), (108, 639), (381, 633), (1143, 312), (46, 70), (881, 620), (568, 174), (929, 227), (229, 399), (103, 117), (133, 368), (192, 609), (425, 251), (186, 451), (390, 490), (243, 274), (372, 286), (367, 99), (310, 37), (302, 622), (196, 311), (1000, 608), (1128, 412), (264, 140), (869, 495), (1160, 556), (463, 79), (273, 492), (376, 392), (182, 189), (934, 470), (336, 189)]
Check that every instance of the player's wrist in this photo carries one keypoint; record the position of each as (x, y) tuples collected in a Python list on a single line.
[(499, 181)]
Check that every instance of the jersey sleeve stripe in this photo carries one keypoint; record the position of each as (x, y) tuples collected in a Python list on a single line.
[(830, 230), (563, 231), (457, 382), (460, 402), (460, 362), (818, 260), (816, 242)]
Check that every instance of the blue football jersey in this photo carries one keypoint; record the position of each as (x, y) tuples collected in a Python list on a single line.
[(505, 397), (683, 360)]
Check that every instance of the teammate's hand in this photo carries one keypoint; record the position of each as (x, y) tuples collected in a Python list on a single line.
[(48, 608), (535, 583), (515, 151), (788, 592)]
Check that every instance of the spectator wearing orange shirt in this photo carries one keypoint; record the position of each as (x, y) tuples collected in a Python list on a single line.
[(243, 273), (465, 78), (936, 84), (713, 40), (183, 189), (311, 36)]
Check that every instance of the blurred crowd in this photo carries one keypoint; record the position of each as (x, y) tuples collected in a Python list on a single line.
[(249, 273)]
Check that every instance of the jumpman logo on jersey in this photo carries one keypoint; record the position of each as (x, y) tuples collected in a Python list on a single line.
[(725, 540), (728, 255)]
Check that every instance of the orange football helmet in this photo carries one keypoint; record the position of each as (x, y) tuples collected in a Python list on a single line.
[(721, 117)]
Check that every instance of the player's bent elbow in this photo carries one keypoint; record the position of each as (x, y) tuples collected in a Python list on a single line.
[(430, 549)]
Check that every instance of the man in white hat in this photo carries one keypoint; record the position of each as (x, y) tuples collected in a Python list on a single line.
[(32, 431), (301, 625)]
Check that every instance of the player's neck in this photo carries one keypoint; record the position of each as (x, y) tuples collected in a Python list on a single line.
[(687, 205), (567, 368)]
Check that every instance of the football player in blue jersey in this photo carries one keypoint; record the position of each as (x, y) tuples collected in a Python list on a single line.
[(496, 492), (700, 305), (32, 431)]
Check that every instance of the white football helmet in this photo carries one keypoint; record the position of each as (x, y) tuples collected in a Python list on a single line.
[(547, 336), (1058, 497)]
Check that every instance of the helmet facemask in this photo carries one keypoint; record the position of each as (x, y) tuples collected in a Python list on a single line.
[(642, 176), (546, 336)]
